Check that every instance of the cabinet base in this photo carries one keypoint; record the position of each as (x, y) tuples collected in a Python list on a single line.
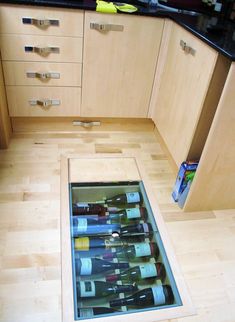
[(65, 124)]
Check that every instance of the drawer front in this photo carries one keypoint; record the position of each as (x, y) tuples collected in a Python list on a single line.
[(22, 101), (28, 47), (42, 74), (40, 21)]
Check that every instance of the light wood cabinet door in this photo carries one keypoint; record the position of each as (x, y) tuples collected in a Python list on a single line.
[(213, 185), (182, 91), (119, 66)]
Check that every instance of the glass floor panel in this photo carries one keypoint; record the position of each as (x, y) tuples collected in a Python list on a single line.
[(119, 262)]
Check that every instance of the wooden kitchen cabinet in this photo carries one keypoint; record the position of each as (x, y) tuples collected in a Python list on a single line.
[(119, 66), (41, 51), (213, 185), (189, 88)]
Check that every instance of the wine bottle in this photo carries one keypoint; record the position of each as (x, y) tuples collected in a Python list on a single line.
[(96, 289), (131, 230), (87, 226), (140, 273), (135, 252), (87, 243), (128, 215), (93, 252), (153, 296), (125, 198), (88, 312), (90, 266), (81, 208)]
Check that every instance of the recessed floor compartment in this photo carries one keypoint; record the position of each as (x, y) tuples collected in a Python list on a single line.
[(117, 260)]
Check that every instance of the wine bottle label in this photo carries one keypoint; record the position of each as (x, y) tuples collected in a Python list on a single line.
[(158, 295), (148, 270), (133, 213), (132, 197), (87, 288), (82, 243), (81, 225), (142, 249), (86, 266), (82, 204), (86, 313)]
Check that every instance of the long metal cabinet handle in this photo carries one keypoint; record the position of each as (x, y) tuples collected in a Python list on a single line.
[(46, 75), (44, 102), (42, 50), (106, 27), (40, 22), (186, 48)]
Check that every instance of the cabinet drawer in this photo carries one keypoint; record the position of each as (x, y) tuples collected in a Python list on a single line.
[(42, 74), (40, 21), (64, 49), (67, 98)]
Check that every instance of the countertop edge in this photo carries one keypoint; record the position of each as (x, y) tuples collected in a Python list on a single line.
[(180, 19)]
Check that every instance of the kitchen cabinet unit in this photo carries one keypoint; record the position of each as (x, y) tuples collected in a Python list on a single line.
[(192, 79), (213, 185), (42, 60), (119, 64), (83, 180)]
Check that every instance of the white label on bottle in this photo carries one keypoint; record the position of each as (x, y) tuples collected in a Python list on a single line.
[(133, 213), (158, 295), (132, 197), (82, 204), (82, 225), (86, 313), (148, 270), (87, 288), (142, 249), (86, 266)]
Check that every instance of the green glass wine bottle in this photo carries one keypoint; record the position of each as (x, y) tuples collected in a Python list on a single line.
[(128, 215), (89, 243), (135, 252), (125, 199), (152, 296), (140, 273), (96, 289), (91, 266)]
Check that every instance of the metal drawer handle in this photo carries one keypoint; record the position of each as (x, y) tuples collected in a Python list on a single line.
[(44, 102), (40, 22), (186, 48), (42, 50), (46, 75), (106, 27)]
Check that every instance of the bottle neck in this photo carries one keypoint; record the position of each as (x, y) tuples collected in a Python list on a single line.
[(123, 302), (124, 288)]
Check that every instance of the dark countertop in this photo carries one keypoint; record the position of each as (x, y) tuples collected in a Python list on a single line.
[(218, 34)]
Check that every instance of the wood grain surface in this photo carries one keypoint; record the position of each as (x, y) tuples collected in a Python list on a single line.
[(30, 253)]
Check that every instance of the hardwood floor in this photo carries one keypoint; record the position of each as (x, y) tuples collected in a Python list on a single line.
[(30, 274)]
